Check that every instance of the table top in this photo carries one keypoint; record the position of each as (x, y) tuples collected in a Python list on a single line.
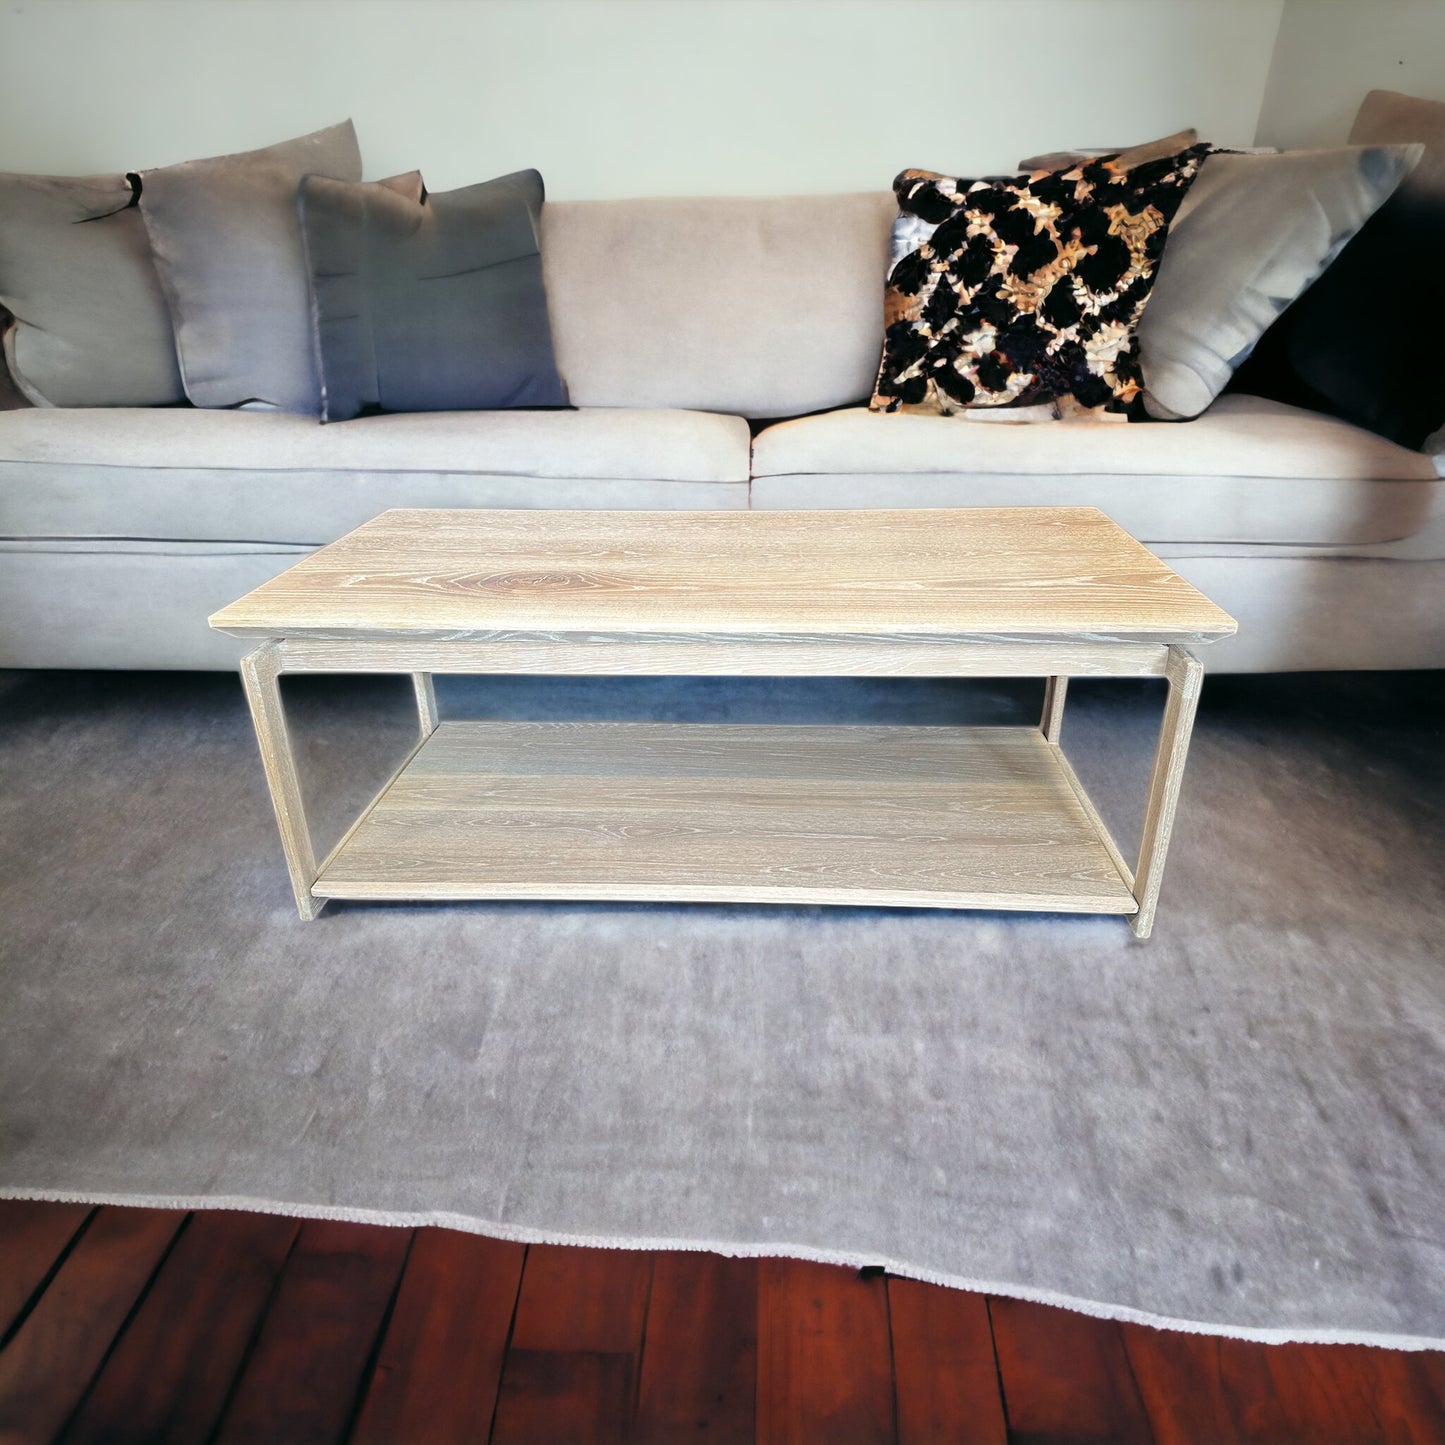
[(1023, 573)]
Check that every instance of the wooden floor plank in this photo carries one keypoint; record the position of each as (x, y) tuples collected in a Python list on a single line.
[(33, 1234), (48, 1365), (1065, 1377), (571, 1372), (944, 1369), (1180, 1379), (582, 1397), (700, 1353), (582, 1299), (168, 1378), (440, 1364), (824, 1362), (1300, 1394), (307, 1366), (1416, 1382), (138, 1328)]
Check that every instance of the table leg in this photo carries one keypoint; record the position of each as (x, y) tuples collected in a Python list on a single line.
[(426, 703), (1184, 674), (1052, 721), (260, 676)]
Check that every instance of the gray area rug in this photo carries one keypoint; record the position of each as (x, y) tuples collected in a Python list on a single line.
[(1236, 1127)]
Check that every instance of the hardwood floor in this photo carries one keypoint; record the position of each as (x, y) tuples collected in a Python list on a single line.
[(120, 1325)]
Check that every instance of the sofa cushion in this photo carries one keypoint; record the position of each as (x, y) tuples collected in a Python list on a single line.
[(431, 302), (764, 308), (1247, 471), (91, 325), (272, 477), (226, 242)]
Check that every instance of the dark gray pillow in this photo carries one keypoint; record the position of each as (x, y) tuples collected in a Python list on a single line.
[(91, 326), (11, 397), (1363, 343), (430, 306), (227, 249)]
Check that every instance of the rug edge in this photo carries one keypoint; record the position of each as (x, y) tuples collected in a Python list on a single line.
[(522, 1234)]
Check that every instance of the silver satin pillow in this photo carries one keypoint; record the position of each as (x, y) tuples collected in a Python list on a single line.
[(1253, 233), (227, 248), (91, 325)]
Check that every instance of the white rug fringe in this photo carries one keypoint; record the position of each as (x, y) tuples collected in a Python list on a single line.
[(521, 1234)]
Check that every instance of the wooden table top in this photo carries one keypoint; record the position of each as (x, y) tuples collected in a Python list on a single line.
[(1026, 573)]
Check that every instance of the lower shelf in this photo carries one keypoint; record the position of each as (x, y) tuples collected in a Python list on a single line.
[(927, 817)]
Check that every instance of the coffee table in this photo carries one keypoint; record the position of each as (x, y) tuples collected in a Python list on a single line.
[(938, 817)]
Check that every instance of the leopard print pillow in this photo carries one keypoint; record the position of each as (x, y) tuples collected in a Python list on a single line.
[(1014, 291)]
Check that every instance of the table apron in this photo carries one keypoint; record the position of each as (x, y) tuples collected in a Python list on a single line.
[(731, 657)]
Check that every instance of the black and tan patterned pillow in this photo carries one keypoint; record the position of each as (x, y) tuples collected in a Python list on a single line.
[(1012, 291)]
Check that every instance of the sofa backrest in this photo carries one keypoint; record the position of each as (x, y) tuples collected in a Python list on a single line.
[(760, 307)]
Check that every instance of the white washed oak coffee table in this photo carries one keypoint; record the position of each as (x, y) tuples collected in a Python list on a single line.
[(937, 817)]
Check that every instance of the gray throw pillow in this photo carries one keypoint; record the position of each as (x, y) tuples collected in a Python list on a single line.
[(91, 326), (227, 249), (1252, 234), (435, 305)]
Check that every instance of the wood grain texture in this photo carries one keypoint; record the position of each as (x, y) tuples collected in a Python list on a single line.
[(1344, 1394), (1065, 1377), (33, 1235), (260, 677), (49, 1364), (1181, 1382), (582, 1397), (426, 702), (1056, 690), (1005, 572), (576, 1298), (824, 1366), (440, 1364), (309, 1362), (699, 1322), (1166, 776), (909, 816), (168, 1378), (572, 1369), (944, 1370), (730, 655), (700, 1354)]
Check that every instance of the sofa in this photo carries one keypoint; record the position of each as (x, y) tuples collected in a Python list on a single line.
[(718, 353)]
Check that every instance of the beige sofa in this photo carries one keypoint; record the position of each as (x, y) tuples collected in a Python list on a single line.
[(677, 324)]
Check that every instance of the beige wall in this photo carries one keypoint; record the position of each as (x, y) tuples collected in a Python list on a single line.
[(627, 97), (1331, 52)]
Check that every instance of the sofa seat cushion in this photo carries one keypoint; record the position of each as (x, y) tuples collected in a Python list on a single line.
[(1248, 471), (184, 474)]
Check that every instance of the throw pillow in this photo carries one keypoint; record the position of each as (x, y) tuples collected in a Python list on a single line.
[(1022, 289), (227, 248), (1363, 343), (91, 326), (1253, 233), (1125, 156), (429, 303)]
